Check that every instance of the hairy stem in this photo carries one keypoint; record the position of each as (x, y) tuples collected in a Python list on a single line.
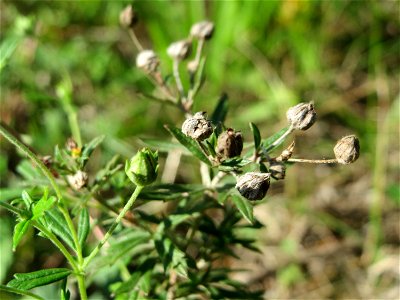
[(127, 206), (135, 40), (313, 161), (177, 77)]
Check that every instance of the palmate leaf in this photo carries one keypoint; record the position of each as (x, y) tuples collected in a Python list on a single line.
[(27, 281), (244, 206), (43, 205), (189, 143)]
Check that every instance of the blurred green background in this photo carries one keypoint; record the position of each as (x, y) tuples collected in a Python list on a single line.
[(331, 231)]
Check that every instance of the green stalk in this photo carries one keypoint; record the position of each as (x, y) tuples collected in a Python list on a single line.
[(127, 206), (81, 286), (13, 140)]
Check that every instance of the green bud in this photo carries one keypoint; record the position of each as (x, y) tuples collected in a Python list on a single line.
[(142, 169)]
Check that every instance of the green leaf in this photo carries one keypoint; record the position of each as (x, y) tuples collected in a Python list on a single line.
[(27, 281), (163, 146), (19, 231), (267, 143), (221, 110), (27, 199), (43, 205), (57, 224), (189, 143), (256, 135), (11, 208), (83, 226), (244, 206), (7, 48), (8, 289), (88, 149)]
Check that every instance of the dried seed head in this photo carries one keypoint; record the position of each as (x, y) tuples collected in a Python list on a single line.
[(197, 127), (253, 185), (128, 17), (278, 170), (286, 154), (78, 180), (148, 61), (230, 143), (302, 116), (347, 149), (202, 30), (192, 66), (179, 50)]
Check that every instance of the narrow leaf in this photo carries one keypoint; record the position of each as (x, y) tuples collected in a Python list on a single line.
[(244, 207), (221, 110), (189, 143), (19, 231), (27, 281), (89, 148), (27, 199), (270, 140), (7, 48), (256, 135), (59, 226), (8, 289), (83, 226)]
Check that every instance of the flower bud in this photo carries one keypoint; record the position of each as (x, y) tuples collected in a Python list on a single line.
[(73, 148), (179, 50), (148, 61), (253, 185), (142, 169), (347, 149), (202, 30), (230, 143), (286, 154), (197, 127), (278, 170), (302, 116), (128, 17), (78, 180)]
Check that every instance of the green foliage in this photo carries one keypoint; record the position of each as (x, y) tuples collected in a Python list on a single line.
[(70, 69)]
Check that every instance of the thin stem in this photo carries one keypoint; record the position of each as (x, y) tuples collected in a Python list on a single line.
[(58, 244), (82, 286), (313, 161), (135, 40), (21, 146), (217, 179), (199, 49), (280, 140), (175, 67), (127, 206), (74, 125)]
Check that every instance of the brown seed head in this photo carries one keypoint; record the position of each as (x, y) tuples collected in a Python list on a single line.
[(278, 170), (230, 143), (78, 180), (253, 185), (128, 17), (197, 127), (286, 154), (148, 61), (179, 50), (302, 116), (202, 30), (347, 149)]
